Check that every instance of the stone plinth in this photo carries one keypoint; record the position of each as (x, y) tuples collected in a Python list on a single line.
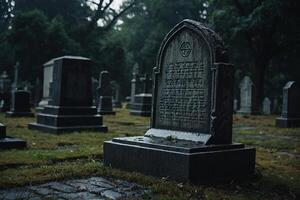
[(10, 142), (71, 106)]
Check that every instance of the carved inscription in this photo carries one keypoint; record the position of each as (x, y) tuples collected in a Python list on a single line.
[(182, 101)]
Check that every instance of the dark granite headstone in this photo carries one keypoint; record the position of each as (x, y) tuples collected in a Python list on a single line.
[(20, 105), (105, 95), (190, 138), (71, 105), (10, 142), (141, 104), (290, 115), (5, 92)]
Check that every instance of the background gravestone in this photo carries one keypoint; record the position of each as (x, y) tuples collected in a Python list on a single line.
[(267, 106), (235, 105), (246, 96), (190, 138), (5, 92), (116, 98), (135, 84), (20, 105), (141, 104), (7, 142), (95, 84), (48, 77), (105, 95), (71, 105), (290, 115)]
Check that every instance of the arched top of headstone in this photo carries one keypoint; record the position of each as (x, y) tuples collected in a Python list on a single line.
[(246, 82), (290, 84), (4, 75), (267, 100), (212, 40)]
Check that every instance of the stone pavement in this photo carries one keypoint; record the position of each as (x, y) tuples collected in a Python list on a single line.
[(92, 188)]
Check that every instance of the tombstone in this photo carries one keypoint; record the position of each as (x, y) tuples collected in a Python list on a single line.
[(20, 104), (290, 115), (190, 138), (246, 96), (141, 104), (235, 105), (267, 106), (135, 84), (48, 78), (7, 142), (116, 98), (5, 92), (105, 96), (71, 105), (95, 84), (15, 84)]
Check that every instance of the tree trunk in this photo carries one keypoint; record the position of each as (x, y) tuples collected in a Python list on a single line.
[(258, 80)]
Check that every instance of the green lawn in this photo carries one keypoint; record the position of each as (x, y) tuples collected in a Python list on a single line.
[(68, 156)]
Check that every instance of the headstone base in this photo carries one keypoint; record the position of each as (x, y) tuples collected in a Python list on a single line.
[(12, 143), (180, 160), (19, 114), (105, 106), (142, 105), (57, 120), (287, 122)]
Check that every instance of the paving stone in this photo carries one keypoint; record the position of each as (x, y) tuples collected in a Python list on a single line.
[(63, 187), (111, 194)]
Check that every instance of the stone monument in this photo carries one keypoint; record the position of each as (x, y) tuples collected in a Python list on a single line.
[(105, 96), (290, 115), (135, 84), (246, 96), (116, 98), (5, 92), (190, 138), (20, 104), (7, 142), (267, 106), (48, 77), (235, 105), (141, 104), (70, 107)]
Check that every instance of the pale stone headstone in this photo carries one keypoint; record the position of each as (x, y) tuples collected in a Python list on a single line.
[(105, 94), (246, 96), (267, 106)]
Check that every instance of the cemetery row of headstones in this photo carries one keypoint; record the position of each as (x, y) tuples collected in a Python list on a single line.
[(191, 109)]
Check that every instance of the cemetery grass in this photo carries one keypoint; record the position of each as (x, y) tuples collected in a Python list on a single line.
[(79, 155)]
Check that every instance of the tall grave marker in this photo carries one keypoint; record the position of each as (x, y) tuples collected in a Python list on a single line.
[(190, 138), (5, 92), (246, 96), (290, 115), (71, 105), (105, 94)]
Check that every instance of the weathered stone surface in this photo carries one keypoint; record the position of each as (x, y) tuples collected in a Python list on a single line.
[(246, 96), (10, 142), (20, 105), (141, 104), (190, 138), (267, 106), (5, 96), (71, 105), (48, 78), (290, 115), (105, 95), (78, 189)]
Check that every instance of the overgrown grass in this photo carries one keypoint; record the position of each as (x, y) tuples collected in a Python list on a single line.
[(77, 155)]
